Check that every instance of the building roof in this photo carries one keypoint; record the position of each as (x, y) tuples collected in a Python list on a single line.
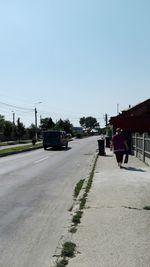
[(134, 119)]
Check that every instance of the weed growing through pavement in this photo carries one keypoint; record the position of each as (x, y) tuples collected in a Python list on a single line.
[(76, 218), (62, 263), (90, 180), (68, 249), (83, 201), (78, 187), (146, 208), (73, 229)]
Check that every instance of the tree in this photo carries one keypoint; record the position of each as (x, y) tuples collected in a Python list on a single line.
[(68, 126), (64, 126), (7, 130), (47, 123), (20, 129), (83, 122), (88, 122), (2, 123), (31, 131)]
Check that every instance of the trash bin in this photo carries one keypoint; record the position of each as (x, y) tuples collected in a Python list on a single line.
[(101, 147), (107, 138)]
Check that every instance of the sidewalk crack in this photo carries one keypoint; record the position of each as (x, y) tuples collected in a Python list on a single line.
[(130, 208), (110, 207)]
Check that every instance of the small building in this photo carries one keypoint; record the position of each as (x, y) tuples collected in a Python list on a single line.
[(77, 130), (134, 119)]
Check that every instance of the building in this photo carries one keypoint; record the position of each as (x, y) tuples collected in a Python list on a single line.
[(134, 119), (77, 130)]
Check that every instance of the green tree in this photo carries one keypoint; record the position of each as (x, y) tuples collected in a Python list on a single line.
[(88, 122), (46, 124), (31, 131), (83, 122), (64, 125), (20, 129), (7, 130), (2, 122), (68, 126)]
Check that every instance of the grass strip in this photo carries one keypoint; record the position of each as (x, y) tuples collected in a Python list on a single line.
[(8, 143), (18, 149)]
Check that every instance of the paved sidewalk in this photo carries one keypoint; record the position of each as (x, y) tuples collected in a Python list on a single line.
[(115, 229)]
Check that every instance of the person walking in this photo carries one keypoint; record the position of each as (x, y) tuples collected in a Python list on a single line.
[(119, 146)]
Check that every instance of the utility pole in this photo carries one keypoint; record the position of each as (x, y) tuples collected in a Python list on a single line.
[(13, 130), (106, 119), (35, 123), (13, 117), (35, 112)]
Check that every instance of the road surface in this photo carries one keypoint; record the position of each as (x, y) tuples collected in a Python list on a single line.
[(36, 191)]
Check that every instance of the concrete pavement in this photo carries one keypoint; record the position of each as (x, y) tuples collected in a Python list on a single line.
[(115, 229)]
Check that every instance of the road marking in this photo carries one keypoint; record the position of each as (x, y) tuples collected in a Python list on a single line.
[(37, 161)]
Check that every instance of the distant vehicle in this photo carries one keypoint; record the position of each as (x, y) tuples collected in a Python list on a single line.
[(55, 139)]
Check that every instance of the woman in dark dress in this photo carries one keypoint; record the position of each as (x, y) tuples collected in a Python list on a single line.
[(119, 146)]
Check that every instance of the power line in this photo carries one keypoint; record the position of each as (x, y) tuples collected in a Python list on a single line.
[(24, 111), (16, 107)]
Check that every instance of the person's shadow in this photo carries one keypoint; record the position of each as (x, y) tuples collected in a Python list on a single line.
[(134, 169)]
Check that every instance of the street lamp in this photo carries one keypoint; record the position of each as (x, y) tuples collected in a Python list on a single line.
[(35, 110)]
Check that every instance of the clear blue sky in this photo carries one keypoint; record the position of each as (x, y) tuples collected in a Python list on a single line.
[(78, 57)]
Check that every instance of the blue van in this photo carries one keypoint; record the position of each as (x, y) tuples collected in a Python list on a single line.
[(55, 139)]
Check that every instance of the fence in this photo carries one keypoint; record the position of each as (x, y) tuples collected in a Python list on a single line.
[(141, 146)]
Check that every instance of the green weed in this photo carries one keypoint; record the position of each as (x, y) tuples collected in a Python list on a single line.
[(76, 218), (62, 263), (146, 208), (78, 187), (68, 249)]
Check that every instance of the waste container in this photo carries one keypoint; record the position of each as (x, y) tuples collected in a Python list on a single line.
[(101, 147), (107, 138)]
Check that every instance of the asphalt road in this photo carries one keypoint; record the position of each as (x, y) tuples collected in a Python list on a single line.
[(36, 191)]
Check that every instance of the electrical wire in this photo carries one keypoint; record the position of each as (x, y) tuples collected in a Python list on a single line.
[(22, 111), (16, 107)]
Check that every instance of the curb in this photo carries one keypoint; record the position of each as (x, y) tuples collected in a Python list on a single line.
[(67, 236)]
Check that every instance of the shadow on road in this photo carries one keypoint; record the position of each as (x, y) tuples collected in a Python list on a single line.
[(58, 149), (133, 169), (110, 156)]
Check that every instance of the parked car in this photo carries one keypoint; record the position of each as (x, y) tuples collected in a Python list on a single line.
[(55, 139)]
